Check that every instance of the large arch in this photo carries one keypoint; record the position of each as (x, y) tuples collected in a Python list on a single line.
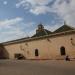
[(3, 52)]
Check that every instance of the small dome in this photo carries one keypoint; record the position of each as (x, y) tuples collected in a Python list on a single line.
[(40, 26)]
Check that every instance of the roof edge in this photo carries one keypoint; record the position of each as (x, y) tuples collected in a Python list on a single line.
[(36, 38)]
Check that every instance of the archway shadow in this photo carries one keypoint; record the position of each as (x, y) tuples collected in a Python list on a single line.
[(3, 52)]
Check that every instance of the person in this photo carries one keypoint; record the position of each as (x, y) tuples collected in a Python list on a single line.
[(67, 58)]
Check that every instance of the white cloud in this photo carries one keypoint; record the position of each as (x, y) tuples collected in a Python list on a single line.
[(39, 2), (33, 2), (15, 28), (14, 33), (65, 9), (9, 30), (40, 9), (9, 22), (32, 32), (35, 6), (5, 2)]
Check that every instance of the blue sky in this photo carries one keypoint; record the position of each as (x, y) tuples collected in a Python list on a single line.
[(19, 18)]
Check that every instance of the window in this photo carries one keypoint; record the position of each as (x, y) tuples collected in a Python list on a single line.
[(62, 51), (36, 52)]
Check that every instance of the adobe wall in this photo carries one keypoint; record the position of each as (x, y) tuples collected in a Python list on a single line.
[(48, 48)]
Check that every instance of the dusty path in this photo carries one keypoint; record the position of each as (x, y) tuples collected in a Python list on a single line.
[(27, 67)]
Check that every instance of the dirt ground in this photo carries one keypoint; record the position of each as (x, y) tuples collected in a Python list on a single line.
[(37, 67)]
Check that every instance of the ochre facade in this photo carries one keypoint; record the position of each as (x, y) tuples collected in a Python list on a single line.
[(48, 48), (51, 46)]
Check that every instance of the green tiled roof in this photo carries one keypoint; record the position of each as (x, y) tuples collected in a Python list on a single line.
[(42, 33), (64, 28)]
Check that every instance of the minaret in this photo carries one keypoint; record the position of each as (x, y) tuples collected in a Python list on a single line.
[(40, 28)]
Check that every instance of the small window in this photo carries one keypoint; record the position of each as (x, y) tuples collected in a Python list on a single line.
[(36, 52), (62, 50)]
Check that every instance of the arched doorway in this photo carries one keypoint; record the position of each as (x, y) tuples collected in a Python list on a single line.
[(36, 52), (62, 50), (3, 52)]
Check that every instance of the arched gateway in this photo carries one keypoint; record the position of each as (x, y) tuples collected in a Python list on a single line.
[(3, 52)]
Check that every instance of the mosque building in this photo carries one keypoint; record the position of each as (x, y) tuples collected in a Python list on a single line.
[(42, 45)]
